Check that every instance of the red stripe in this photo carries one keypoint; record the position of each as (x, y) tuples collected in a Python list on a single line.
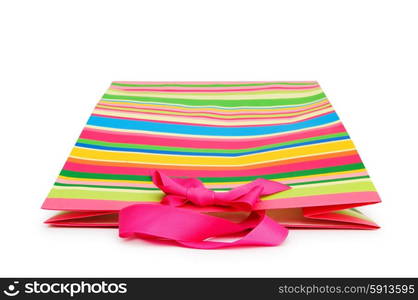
[(75, 204)]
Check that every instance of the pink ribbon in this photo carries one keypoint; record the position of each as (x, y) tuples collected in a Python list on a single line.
[(192, 229)]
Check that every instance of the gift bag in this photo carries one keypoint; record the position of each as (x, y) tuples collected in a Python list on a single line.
[(232, 153)]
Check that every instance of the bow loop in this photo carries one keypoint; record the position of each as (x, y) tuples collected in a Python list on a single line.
[(182, 191), (247, 199)]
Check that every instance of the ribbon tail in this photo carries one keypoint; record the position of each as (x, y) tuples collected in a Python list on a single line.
[(192, 229)]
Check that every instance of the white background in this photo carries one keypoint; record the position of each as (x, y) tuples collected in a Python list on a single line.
[(58, 57)]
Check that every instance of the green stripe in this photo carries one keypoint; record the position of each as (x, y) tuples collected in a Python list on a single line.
[(336, 188), (213, 85), (342, 168), (217, 189), (139, 196), (146, 196), (348, 167), (201, 150), (220, 102)]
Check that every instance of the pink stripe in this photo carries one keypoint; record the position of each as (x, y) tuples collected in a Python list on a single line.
[(308, 165), (213, 82), (212, 90), (324, 225), (343, 218), (197, 119), (266, 83), (204, 143), (226, 113), (329, 177), (82, 220), (78, 218), (306, 201)]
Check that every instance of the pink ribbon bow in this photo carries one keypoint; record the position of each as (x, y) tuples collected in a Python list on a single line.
[(192, 229)]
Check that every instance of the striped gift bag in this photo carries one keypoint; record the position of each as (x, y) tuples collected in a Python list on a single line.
[(225, 134)]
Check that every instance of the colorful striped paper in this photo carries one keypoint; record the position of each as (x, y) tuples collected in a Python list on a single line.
[(224, 133)]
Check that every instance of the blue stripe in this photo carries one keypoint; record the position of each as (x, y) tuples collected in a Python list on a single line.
[(153, 126), (211, 153)]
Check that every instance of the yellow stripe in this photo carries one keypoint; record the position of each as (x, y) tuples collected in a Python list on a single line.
[(211, 161), (189, 92)]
